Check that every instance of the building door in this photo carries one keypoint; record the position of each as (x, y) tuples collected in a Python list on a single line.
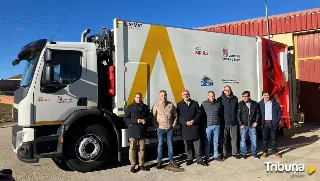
[(307, 62)]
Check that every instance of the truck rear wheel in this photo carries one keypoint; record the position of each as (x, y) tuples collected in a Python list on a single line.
[(88, 149)]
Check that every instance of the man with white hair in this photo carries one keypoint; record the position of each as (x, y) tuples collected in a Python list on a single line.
[(189, 115)]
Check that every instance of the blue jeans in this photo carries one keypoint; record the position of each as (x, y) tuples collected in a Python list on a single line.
[(161, 135), (215, 131), (253, 138)]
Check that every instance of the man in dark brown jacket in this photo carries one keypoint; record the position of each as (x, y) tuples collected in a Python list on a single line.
[(138, 118), (189, 115)]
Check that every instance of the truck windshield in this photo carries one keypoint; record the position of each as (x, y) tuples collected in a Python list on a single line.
[(29, 71)]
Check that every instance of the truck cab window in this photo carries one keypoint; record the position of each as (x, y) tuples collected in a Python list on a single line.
[(56, 71), (67, 66)]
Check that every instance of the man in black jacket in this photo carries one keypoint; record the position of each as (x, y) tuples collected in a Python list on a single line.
[(189, 114), (138, 118), (248, 118), (270, 117), (230, 109)]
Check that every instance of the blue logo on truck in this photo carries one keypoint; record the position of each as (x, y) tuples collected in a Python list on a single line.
[(206, 81)]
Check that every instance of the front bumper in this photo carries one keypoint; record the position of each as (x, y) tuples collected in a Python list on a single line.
[(23, 143)]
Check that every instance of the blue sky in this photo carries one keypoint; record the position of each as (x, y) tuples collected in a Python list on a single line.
[(24, 21)]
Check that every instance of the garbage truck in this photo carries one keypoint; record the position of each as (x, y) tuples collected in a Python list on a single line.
[(72, 98)]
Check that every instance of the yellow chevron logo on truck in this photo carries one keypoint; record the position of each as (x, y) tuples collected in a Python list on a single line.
[(157, 40)]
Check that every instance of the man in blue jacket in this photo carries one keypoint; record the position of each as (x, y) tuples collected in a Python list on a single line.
[(270, 117), (230, 108)]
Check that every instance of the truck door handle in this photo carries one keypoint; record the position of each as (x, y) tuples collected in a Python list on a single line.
[(82, 101)]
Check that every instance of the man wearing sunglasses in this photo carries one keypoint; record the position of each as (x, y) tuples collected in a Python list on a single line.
[(248, 118)]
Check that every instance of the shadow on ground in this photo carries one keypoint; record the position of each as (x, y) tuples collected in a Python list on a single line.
[(151, 156), (293, 138), (287, 143)]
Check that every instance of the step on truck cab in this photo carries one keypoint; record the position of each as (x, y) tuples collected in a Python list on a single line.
[(72, 99)]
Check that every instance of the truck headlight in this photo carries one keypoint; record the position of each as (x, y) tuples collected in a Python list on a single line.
[(19, 139)]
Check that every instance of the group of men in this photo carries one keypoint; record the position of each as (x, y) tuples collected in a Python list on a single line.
[(219, 118)]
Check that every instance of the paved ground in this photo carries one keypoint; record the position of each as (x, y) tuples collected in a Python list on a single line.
[(300, 145)]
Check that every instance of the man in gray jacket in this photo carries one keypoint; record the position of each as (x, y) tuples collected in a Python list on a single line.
[(212, 115)]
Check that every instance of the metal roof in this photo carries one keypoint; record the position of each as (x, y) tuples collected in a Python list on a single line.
[(283, 23)]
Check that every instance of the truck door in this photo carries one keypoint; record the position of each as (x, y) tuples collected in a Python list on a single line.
[(69, 73)]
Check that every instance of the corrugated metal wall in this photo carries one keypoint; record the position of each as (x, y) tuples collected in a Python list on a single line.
[(308, 45), (309, 71), (277, 25), (307, 55)]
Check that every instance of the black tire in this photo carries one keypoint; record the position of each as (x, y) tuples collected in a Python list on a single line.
[(95, 135), (62, 164)]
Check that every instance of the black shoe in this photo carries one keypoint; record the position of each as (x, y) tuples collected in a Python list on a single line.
[(202, 163), (159, 165), (255, 157), (224, 158), (132, 169), (219, 159), (144, 168), (206, 161), (243, 157), (189, 162), (235, 156)]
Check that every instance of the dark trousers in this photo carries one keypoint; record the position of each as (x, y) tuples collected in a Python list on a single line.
[(231, 131), (269, 131), (196, 144)]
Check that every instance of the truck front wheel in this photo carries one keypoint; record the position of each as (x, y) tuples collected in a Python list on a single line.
[(88, 149), (61, 163)]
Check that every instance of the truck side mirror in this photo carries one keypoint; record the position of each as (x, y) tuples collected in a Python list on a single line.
[(48, 55), (15, 62), (49, 73)]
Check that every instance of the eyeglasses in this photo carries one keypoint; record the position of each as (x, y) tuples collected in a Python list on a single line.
[(186, 94), (245, 96)]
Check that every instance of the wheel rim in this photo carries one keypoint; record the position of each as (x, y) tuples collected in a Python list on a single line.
[(88, 148)]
